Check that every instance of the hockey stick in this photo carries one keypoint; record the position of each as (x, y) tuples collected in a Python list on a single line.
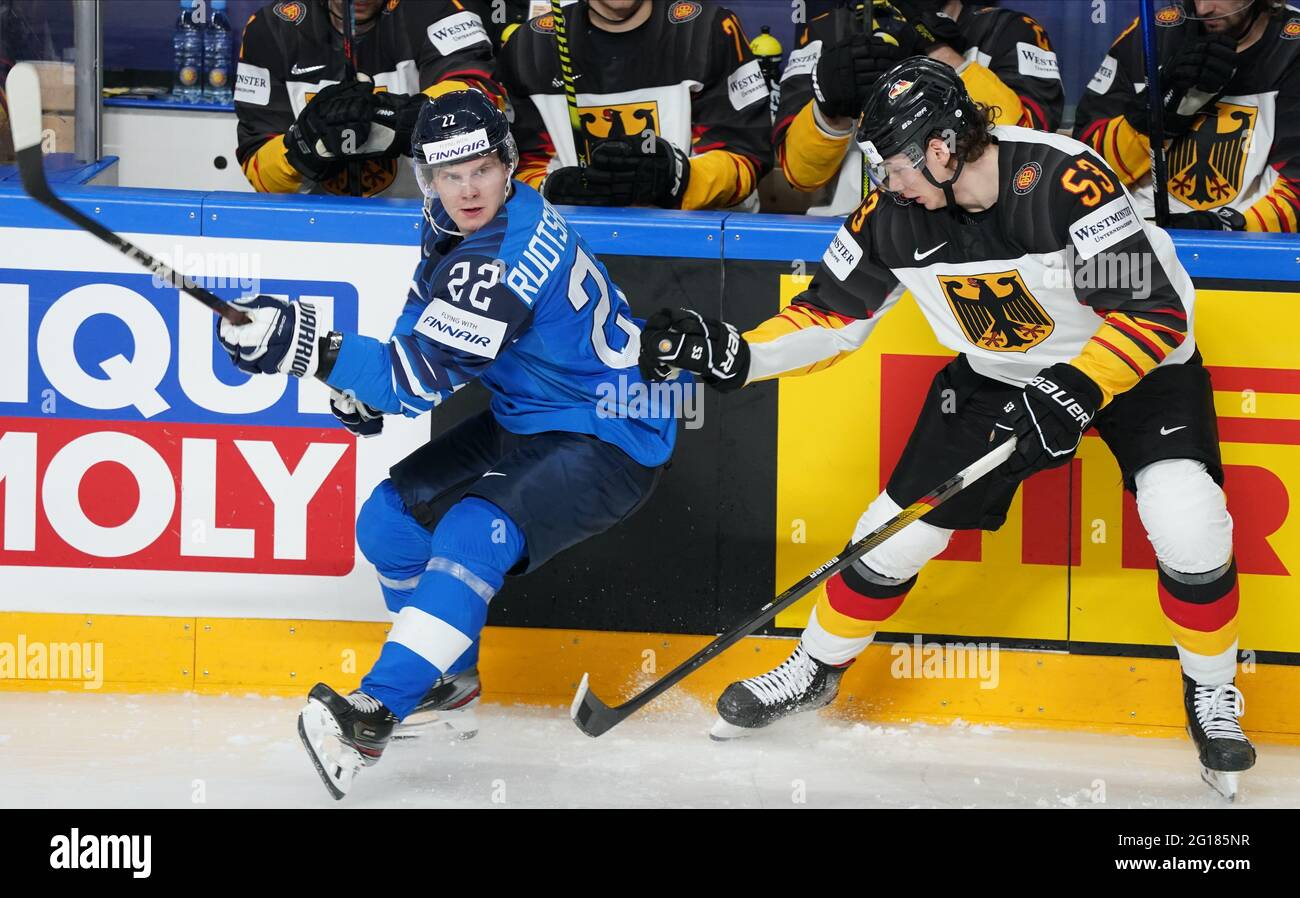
[(594, 717), (580, 147), (25, 109), (349, 54), (1159, 172)]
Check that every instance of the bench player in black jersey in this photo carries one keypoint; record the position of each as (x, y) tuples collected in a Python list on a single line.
[(295, 101), (1004, 57), (978, 222)]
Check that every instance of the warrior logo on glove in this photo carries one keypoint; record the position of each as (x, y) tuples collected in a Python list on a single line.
[(280, 337)]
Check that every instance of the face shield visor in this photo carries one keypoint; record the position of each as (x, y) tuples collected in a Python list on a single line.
[(883, 171)]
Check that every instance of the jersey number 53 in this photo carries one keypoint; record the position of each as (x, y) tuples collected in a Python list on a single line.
[(1088, 180)]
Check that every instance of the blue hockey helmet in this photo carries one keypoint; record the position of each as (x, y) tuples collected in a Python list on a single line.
[(455, 127)]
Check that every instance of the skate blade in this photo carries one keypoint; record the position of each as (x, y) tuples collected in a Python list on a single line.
[(725, 732), (319, 732), (1224, 782), (460, 724)]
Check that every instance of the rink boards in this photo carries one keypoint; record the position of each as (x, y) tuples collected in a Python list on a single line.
[(149, 488)]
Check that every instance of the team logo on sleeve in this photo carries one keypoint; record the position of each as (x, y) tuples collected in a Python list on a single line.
[(292, 11), (391, 6), (996, 311), (684, 11), (1169, 16), (1026, 178), (1208, 164), (1291, 30), (543, 24)]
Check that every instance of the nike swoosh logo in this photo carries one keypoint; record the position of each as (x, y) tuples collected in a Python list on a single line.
[(494, 474), (297, 71), (918, 255), (1165, 433)]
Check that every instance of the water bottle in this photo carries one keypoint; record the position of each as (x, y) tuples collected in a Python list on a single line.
[(216, 55), (187, 54)]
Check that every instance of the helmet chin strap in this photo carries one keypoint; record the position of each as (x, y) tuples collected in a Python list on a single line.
[(946, 186)]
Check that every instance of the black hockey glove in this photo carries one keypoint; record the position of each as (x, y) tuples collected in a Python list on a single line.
[(395, 113), (647, 171), (845, 73), (335, 123), (681, 338), (1048, 419), (1193, 78), (1225, 218), (355, 415), (568, 187), (929, 28)]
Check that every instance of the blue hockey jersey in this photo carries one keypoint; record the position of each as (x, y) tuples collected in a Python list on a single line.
[(525, 306)]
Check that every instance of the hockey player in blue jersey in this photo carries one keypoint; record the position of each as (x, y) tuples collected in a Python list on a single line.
[(508, 293)]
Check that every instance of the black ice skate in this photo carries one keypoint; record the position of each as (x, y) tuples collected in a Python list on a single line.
[(448, 707), (1212, 713), (800, 683), (343, 734)]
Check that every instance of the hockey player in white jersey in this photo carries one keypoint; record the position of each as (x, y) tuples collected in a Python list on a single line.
[(979, 223)]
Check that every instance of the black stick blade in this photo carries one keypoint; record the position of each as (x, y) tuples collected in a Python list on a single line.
[(593, 717)]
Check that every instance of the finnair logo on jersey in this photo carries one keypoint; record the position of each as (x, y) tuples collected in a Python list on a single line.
[(456, 147), (444, 323), (540, 257), (77, 852)]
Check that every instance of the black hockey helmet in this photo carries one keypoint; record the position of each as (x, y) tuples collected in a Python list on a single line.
[(915, 100), (455, 127)]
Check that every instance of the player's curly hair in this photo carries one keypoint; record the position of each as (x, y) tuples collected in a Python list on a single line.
[(972, 142)]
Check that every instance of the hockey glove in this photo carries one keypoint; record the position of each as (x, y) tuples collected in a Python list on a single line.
[(1191, 81), (930, 28), (1048, 419), (568, 187), (845, 73), (681, 338), (280, 339), (1225, 218), (335, 123), (355, 415), (640, 172), (394, 120)]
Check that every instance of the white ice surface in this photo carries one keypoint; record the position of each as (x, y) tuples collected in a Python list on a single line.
[(101, 750)]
